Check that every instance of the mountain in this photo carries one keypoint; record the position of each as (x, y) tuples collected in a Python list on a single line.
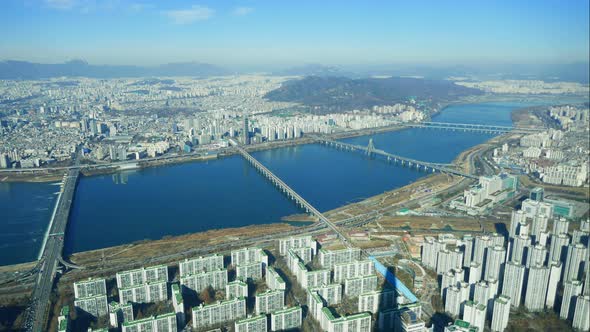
[(313, 70), (341, 93), (11, 69)]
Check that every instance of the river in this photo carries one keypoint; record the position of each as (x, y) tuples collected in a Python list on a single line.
[(115, 209)]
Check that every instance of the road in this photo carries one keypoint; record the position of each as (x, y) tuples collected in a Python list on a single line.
[(40, 297)]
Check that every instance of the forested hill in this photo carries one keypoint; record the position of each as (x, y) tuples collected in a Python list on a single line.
[(345, 93)]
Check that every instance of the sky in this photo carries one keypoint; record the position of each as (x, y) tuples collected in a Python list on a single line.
[(276, 32)]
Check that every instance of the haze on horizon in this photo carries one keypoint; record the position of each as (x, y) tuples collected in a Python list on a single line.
[(271, 33)]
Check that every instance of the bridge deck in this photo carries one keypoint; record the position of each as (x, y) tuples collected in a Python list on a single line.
[(52, 255), (391, 156)]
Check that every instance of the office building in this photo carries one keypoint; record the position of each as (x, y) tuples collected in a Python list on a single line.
[(269, 301), (532, 208), (537, 194), (245, 132), (286, 319), (220, 312)]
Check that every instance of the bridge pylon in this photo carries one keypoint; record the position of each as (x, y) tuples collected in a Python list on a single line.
[(370, 147)]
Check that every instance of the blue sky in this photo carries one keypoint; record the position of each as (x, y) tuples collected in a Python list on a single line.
[(295, 32)]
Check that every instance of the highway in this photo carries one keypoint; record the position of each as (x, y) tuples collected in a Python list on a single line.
[(52, 255)]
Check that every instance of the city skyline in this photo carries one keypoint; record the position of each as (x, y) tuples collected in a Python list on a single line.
[(279, 34)]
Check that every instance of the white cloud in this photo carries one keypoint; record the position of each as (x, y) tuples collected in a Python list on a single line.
[(61, 4), (188, 16), (242, 11)]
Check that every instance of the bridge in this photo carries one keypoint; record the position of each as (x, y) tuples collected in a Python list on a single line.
[(51, 254), (292, 194), (371, 150), (491, 129)]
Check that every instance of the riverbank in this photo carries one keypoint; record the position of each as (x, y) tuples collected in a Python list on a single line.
[(56, 175)]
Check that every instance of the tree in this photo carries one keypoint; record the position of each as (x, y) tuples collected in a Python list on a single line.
[(207, 295)]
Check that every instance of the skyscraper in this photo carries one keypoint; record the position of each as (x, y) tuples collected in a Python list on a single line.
[(560, 225), (576, 254), (475, 314), (467, 249), (536, 288), (582, 314), (538, 225), (501, 313), (519, 249), (495, 262), (537, 256), (554, 278), (571, 289), (246, 132), (517, 218), (453, 301), (557, 250)]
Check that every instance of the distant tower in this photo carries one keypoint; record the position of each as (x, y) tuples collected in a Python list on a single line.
[(246, 138)]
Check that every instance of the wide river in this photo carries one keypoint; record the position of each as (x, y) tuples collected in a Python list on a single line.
[(111, 210)]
